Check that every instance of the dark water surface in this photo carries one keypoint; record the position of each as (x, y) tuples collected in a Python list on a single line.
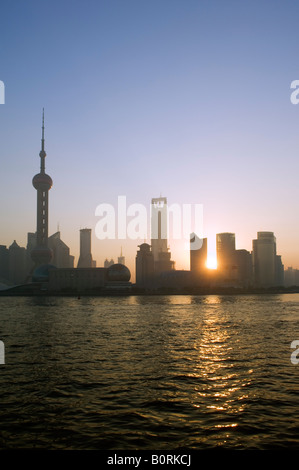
[(165, 372)]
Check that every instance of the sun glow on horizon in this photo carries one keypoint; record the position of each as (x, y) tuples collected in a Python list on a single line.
[(211, 262)]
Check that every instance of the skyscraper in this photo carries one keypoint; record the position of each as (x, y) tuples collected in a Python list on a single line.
[(159, 234), (225, 248), (42, 182), (144, 266), (85, 259), (159, 229), (61, 252), (198, 256), (16, 264), (267, 266), (244, 273)]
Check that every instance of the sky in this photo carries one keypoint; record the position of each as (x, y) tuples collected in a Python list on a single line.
[(185, 99)]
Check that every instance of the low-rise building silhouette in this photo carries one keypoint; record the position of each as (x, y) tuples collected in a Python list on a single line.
[(115, 279), (291, 277)]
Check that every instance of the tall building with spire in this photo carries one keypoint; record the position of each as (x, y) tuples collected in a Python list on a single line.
[(159, 235), (42, 182), (121, 258), (159, 227)]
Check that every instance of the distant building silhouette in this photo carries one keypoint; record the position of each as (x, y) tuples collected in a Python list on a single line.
[(164, 262), (225, 249), (145, 266), (108, 263), (264, 259), (198, 256), (85, 258), (61, 257), (291, 277), (61, 252), (226, 261), (31, 244), (121, 258), (16, 264), (243, 262), (4, 256), (279, 274)]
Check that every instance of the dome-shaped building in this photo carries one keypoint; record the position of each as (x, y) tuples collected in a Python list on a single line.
[(118, 272), (118, 279)]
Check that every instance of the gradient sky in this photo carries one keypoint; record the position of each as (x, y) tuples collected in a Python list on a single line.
[(188, 99)]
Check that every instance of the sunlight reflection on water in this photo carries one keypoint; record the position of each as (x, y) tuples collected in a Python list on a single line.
[(149, 372)]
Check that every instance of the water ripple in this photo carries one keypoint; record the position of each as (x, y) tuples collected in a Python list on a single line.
[(189, 372)]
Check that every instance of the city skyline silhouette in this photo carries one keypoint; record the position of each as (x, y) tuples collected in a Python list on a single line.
[(47, 260), (149, 256), (190, 101), (159, 232)]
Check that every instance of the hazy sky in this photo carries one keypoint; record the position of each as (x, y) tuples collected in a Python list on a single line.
[(188, 99)]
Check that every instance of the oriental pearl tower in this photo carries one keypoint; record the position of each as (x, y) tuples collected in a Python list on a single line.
[(41, 254)]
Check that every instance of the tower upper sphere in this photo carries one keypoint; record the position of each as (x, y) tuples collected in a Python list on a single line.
[(42, 181)]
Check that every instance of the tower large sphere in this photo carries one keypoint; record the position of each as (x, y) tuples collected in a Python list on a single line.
[(42, 181)]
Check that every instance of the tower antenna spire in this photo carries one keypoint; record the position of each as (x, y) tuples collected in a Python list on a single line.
[(43, 131), (42, 153)]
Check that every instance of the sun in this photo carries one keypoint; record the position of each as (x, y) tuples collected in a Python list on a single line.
[(211, 262)]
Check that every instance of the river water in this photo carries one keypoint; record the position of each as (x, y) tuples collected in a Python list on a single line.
[(149, 372)]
